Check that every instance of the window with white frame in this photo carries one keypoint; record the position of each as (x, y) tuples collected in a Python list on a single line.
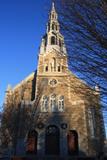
[(61, 104), (53, 40), (53, 103), (91, 120), (44, 107)]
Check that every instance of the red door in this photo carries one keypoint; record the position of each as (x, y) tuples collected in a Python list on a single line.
[(31, 146), (72, 139)]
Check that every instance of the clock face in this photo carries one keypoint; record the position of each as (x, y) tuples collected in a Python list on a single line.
[(53, 82)]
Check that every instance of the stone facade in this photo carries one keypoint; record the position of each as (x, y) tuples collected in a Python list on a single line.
[(65, 101)]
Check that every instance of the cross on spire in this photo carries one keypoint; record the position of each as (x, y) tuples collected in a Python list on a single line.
[(53, 6)]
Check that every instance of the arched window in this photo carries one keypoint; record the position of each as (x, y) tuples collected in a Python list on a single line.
[(59, 69), (53, 26), (60, 43), (44, 107), (46, 69), (61, 104), (53, 103), (91, 121), (52, 15), (53, 41)]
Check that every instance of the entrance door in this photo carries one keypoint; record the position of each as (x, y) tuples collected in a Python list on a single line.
[(72, 139), (31, 147), (52, 144)]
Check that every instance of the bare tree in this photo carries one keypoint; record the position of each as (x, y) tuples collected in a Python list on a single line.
[(84, 24), (19, 116)]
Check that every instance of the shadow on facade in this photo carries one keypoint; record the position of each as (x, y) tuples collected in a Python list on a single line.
[(33, 86), (53, 138)]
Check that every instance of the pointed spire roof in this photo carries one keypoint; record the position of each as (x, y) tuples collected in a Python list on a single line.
[(53, 12), (9, 88), (53, 38)]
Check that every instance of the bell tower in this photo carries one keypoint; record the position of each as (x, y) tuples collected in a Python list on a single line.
[(53, 38), (53, 54)]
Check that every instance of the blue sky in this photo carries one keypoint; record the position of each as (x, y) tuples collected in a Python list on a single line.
[(22, 24)]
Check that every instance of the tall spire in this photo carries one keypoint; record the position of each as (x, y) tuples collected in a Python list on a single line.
[(53, 14), (53, 24), (53, 38)]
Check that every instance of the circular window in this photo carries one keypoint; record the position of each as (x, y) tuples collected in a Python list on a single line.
[(53, 82), (40, 125), (63, 125)]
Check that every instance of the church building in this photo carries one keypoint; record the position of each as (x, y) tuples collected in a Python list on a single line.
[(67, 119)]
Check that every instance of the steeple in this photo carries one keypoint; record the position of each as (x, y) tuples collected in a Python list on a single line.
[(53, 24), (53, 39), (53, 6)]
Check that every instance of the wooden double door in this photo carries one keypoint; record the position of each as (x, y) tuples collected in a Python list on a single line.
[(52, 141)]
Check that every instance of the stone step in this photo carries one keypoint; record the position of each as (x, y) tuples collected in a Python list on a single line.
[(55, 158)]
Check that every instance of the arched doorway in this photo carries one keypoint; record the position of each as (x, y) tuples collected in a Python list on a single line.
[(72, 139), (31, 145), (52, 144)]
